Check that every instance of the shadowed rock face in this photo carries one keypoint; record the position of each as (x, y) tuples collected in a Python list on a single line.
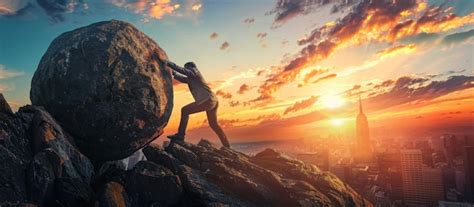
[(107, 86)]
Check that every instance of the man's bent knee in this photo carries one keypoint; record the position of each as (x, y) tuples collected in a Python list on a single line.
[(184, 111)]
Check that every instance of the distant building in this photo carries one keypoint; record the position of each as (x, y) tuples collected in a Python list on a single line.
[(411, 167), (468, 156), (342, 169), (422, 186), (363, 150), (433, 189), (454, 204)]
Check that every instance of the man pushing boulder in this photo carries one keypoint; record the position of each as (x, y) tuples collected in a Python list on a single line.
[(204, 100)]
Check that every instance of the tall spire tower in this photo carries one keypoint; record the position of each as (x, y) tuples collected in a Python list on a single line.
[(364, 150)]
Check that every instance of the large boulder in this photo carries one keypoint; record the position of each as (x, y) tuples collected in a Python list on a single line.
[(107, 85)]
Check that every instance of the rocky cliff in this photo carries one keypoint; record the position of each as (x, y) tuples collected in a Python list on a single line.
[(54, 154)]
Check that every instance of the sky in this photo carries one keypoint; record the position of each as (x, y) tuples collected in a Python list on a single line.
[(283, 68)]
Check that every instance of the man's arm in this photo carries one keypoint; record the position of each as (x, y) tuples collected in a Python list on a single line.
[(180, 77), (176, 67)]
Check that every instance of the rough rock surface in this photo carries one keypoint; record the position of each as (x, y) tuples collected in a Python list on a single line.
[(35, 153), (107, 86), (150, 183)]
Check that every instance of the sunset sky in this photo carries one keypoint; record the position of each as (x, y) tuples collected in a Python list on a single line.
[(282, 68)]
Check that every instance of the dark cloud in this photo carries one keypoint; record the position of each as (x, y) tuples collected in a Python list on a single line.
[(411, 89), (244, 88), (249, 21), (458, 37), (287, 9), (234, 103), (261, 35), (299, 105), (56, 9), (326, 77), (214, 35), (224, 45)]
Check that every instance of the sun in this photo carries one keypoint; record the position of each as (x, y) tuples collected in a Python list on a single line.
[(333, 101), (337, 122)]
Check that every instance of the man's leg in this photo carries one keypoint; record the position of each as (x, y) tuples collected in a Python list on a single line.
[(212, 119), (185, 112)]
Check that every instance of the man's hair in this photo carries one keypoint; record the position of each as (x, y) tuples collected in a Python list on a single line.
[(190, 65)]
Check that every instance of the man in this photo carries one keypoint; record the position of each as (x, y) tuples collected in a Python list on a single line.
[(204, 100)]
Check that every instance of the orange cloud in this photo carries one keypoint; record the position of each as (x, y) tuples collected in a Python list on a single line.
[(299, 105), (313, 73), (369, 21), (392, 51), (244, 88), (11, 8), (157, 9), (224, 95), (196, 7), (162, 7)]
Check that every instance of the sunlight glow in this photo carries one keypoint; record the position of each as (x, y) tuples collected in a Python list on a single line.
[(332, 101), (337, 122)]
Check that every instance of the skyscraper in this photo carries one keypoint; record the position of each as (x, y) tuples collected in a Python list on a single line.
[(469, 172), (363, 150), (411, 166), (422, 186)]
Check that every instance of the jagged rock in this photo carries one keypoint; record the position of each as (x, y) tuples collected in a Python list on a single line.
[(339, 193), (107, 85), (8, 204), (156, 154), (46, 133), (150, 183), (113, 195), (110, 171), (45, 167), (4, 106), (183, 154), (14, 134), (32, 131), (201, 192), (71, 192), (12, 185), (227, 177)]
